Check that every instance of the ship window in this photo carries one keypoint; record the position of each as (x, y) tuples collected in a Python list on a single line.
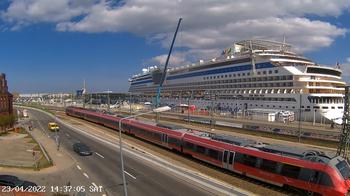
[(258, 72), (276, 71), (340, 107), (316, 107), (248, 74), (264, 72), (230, 75), (325, 107), (238, 74), (333, 107), (222, 76), (243, 74), (225, 76), (234, 75), (270, 72)]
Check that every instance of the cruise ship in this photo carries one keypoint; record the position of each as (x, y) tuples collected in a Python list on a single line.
[(251, 74)]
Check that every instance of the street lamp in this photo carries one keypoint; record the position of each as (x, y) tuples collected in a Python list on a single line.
[(156, 110)]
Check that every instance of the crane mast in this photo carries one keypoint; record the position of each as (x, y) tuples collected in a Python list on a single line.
[(157, 104)]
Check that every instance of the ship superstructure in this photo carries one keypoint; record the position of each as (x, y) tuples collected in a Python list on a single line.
[(251, 74)]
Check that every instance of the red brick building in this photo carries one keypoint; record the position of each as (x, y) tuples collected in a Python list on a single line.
[(5, 97)]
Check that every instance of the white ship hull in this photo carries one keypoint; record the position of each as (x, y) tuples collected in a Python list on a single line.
[(269, 79)]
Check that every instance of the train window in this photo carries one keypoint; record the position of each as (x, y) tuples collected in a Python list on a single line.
[(308, 175), (213, 153), (245, 159), (268, 165), (225, 156), (326, 180), (174, 141), (290, 171), (343, 168), (239, 158), (189, 145), (157, 136), (250, 160), (200, 149), (230, 160)]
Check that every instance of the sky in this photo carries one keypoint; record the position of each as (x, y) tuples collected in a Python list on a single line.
[(53, 46)]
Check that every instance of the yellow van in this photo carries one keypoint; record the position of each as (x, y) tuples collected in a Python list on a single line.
[(53, 126)]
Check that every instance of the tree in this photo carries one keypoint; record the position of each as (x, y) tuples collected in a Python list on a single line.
[(6, 121)]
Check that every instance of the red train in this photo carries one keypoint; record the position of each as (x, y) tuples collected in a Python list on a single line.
[(309, 170)]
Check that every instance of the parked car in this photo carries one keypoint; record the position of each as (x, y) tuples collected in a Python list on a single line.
[(14, 181), (82, 149)]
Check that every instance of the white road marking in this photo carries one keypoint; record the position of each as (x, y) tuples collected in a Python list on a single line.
[(85, 174), (67, 134), (78, 167), (94, 184), (104, 195), (130, 175), (99, 155)]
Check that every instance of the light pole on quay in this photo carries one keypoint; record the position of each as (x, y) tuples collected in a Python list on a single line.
[(156, 110)]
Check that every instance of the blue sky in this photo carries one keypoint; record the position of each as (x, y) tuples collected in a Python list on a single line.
[(52, 46)]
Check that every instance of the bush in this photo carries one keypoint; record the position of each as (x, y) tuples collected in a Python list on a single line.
[(6, 121)]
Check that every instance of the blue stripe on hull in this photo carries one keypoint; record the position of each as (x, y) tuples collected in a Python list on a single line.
[(215, 71)]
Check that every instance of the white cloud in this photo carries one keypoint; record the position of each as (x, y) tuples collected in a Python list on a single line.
[(208, 27), (175, 59), (345, 67), (26, 12)]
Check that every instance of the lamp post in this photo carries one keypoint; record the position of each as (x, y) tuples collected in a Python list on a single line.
[(299, 124), (156, 110)]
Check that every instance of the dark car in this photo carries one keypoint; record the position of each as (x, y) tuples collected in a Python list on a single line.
[(82, 149), (13, 181)]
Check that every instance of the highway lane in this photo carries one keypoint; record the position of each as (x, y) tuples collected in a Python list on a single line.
[(103, 167)]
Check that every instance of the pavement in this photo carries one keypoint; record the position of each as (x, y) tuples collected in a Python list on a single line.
[(16, 150), (103, 167)]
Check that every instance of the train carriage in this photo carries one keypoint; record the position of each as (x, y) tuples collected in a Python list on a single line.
[(306, 169)]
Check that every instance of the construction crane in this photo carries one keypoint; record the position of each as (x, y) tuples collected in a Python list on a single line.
[(157, 104), (344, 141)]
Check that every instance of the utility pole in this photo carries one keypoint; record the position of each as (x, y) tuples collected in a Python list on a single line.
[(344, 143), (188, 110), (84, 93), (108, 101), (130, 103), (212, 97), (299, 125)]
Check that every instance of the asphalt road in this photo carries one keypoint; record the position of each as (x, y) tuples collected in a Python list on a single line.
[(103, 167)]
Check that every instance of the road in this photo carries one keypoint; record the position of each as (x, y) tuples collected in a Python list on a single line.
[(103, 167)]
